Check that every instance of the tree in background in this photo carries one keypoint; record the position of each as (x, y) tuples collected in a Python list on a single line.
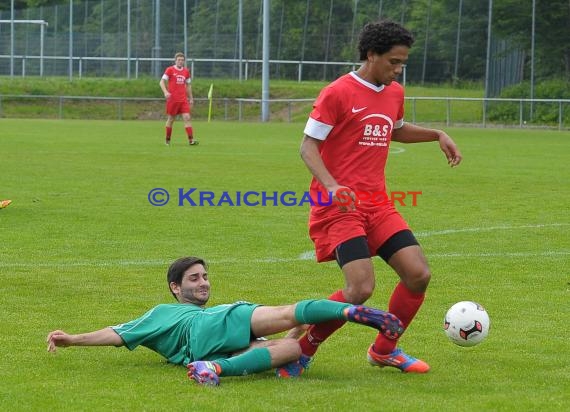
[(310, 30)]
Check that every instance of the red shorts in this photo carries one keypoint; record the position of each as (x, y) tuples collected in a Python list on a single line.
[(173, 108), (329, 227)]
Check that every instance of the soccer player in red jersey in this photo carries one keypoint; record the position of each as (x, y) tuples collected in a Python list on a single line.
[(345, 146), (178, 94)]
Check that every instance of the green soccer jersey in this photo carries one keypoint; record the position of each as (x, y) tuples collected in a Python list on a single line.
[(164, 329), (183, 333)]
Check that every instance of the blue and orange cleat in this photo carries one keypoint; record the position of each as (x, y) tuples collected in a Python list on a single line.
[(204, 373), (294, 369), (397, 359), (387, 324)]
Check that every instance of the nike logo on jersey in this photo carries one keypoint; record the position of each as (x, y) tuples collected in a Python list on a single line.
[(355, 110)]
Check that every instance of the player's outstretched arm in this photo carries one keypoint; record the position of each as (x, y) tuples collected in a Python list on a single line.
[(410, 133), (103, 337), (450, 149)]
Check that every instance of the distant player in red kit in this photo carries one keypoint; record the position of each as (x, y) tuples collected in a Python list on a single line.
[(178, 96), (345, 147)]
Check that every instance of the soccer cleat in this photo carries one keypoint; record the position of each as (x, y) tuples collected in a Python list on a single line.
[(4, 203), (294, 369), (167, 142), (193, 142), (204, 373), (397, 359), (387, 324)]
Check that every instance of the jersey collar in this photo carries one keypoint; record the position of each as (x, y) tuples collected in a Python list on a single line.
[(365, 83)]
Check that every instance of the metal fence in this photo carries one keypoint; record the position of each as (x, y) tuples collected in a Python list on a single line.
[(139, 67), (447, 111), (309, 40)]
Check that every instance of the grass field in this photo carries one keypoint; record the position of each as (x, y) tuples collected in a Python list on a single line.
[(82, 248), (139, 106)]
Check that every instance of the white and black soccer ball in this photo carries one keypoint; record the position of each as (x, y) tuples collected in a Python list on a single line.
[(466, 323)]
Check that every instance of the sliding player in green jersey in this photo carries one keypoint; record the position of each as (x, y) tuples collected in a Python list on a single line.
[(222, 340)]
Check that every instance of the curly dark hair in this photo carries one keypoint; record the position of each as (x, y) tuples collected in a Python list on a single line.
[(381, 36)]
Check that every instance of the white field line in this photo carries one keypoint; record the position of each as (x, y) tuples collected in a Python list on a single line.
[(310, 255), (487, 229)]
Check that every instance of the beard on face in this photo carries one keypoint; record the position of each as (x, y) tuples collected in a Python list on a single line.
[(196, 296)]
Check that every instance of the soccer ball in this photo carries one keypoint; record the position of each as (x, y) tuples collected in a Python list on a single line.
[(466, 323)]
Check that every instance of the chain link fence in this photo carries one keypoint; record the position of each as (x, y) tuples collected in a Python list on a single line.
[(310, 39), (448, 111)]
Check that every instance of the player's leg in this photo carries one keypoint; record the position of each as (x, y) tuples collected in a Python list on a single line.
[(354, 260), (403, 253), (356, 265), (281, 351), (297, 331), (261, 356), (268, 320), (169, 123), (339, 236), (188, 128)]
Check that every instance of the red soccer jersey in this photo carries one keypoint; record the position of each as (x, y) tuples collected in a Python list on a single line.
[(354, 120), (177, 81)]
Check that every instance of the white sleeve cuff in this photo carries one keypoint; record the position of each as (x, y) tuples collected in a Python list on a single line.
[(316, 129)]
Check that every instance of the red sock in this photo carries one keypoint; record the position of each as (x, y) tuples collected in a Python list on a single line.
[(189, 133), (404, 304), (316, 334), (168, 132)]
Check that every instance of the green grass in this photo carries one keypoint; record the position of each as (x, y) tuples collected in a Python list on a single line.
[(224, 107), (148, 87), (82, 248)]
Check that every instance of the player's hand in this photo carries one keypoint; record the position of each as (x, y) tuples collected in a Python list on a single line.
[(58, 338), (345, 198), (450, 149), (167, 95), (191, 102)]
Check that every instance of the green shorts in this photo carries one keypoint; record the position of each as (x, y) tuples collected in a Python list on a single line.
[(219, 331)]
